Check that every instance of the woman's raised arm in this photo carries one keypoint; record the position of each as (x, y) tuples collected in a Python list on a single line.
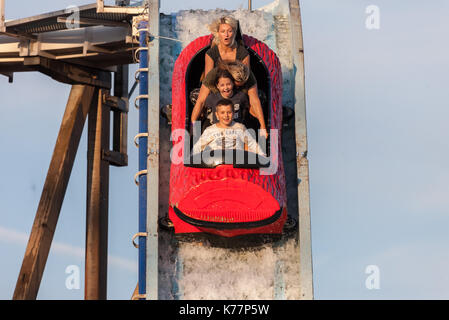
[(200, 101), (255, 109)]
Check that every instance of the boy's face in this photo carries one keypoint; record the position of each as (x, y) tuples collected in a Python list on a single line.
[(224, 115), (225, 86)]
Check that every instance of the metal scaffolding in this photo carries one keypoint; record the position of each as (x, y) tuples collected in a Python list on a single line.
[(84, 57)]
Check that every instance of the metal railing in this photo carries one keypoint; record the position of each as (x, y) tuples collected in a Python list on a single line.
[(121, 6)]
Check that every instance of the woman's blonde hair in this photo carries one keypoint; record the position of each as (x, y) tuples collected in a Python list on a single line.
[(239, 71), (215, 26)]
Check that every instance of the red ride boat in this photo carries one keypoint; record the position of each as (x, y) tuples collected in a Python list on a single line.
[(222, 198)]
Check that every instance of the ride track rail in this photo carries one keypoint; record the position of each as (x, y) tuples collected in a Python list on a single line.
[(148, 240)]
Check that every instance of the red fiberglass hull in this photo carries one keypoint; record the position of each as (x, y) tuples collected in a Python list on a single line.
[(226, 201)]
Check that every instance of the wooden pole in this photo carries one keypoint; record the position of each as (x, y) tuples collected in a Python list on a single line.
[(2, 16), (135, 292), (100, 6), (305, 245), (55, 186), (97, 200)]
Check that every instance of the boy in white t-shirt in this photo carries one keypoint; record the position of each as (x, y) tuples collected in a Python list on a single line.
[(226, 133)]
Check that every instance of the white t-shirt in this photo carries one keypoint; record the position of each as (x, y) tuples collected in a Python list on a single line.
[(227, 138)]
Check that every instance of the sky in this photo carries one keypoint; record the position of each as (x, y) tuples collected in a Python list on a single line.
[(378, 153)]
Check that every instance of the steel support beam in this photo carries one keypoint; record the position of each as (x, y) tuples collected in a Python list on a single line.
[(120, 115), (101, 8), (305, 245), (68, 73), (153, 152), (97, 201), (52, 197), (92, 22)]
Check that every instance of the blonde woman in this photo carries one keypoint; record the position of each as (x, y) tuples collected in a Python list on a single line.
[(225, 48)]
